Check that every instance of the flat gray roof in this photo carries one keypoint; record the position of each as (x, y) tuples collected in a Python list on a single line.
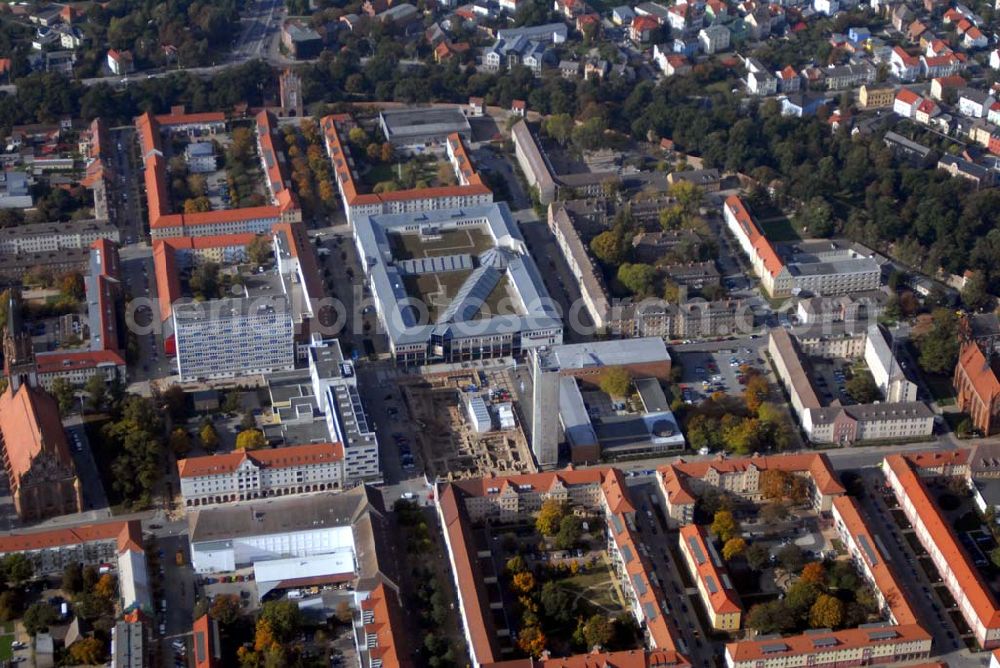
[(271, 516), (537, 309), (609, 353), (402, 123)]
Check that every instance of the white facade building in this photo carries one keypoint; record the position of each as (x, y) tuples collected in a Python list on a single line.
[(240, 476)]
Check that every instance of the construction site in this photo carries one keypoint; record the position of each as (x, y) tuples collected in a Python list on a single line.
[(453, 443)]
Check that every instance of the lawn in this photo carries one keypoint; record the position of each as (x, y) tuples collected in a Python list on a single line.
[(6, 651), (596, 588), (468, 241), (779, 228)]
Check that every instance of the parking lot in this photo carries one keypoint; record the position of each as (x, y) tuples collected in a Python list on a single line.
[(719, 371), (831, 378)]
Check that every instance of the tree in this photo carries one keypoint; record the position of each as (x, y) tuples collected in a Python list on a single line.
[(775, 511), (197, 205), (800, 597), (17, 568), (176, 401), (814, 573), (826, 613), (374, 151), (72, 578), (816, 217), (97, 391), (559, 127), (609, 247), (263, 637), (755, 392), (939, 347), (757, 556), (250, 439), (532, 641), (550, 517), (208, 436), (770, 617), (791, 558), (225, 609), (774, 484), (259, 250), (862, 387), (724, 525), (38, 617), (62, 390), (284, 618), (637, 278), (358, 137), (87, 651), (975, 292), (734, 547), (71, 286), (557, 603), (386, 152), (523, 583), (995, 556), (616, 382), (570, 530), (598, 631), (344, 613), (106, 587), (516, 564), (180, 441), (10, 605)]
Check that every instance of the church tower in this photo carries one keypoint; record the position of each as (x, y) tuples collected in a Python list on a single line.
[(290, 92), (18, 353)]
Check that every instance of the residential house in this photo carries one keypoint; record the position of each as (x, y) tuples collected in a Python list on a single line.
[(670, 63), (955, 166), (993, 115), (848, 76), (119, 62), (570, 8), (801, 104), (876, 97), (678, 17), (519, 108), (622, 16), (714, 38), (788, 80), (762, 83), (901, 17), (974, 103), (941, 66), (941, 85), (926, 111), (906, 103), (995, 59), (569, 69), (642, 28), (915, 30), (903, 65)]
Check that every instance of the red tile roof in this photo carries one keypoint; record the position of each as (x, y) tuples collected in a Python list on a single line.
[(160, 217), (127, 536), (981, 374), (676, 475), (475, 600), (275, 458), (763, 247), (31, 429), (623, 659), (721, 595), (963, 572), (907, 96), (339, 158), (205, 634), (65, 360), (386, 626)]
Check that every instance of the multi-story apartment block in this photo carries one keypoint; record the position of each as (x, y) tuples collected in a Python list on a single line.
[(471, 190), (595, 297), (682, 482), (598, 490), (906, 475), (283, 207), (233, 336), (118, 544), (721, 601), (245, 475), (40, 237), (876, 97), (842, 424)]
